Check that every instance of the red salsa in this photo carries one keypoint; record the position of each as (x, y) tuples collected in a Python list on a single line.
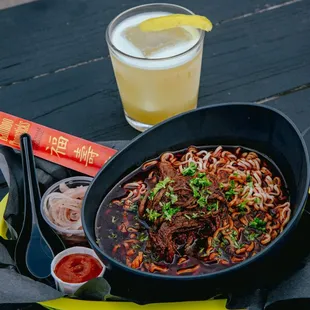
[(78, 268)]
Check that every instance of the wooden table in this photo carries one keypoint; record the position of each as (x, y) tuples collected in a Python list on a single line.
[(55, 68)]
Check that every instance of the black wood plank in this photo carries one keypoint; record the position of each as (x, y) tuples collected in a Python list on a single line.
[(83, 103), (296, 106), (259, 56), (44, 36), (244, 60)]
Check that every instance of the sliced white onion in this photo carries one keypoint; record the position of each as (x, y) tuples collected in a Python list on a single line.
[(64, 208)]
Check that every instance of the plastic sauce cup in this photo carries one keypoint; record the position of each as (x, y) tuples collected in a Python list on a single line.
[(70, 237), (71, 288)]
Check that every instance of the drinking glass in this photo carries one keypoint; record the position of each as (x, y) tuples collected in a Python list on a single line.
[(154, 89)]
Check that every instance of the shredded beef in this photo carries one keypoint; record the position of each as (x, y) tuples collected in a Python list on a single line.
[(190, 222)]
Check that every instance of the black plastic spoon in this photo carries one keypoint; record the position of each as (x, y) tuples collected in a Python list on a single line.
[(38, 244)]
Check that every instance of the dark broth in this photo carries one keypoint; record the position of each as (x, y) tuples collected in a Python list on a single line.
[(117, 223)]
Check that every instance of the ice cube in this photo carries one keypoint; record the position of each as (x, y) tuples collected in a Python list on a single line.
[(150, 43)]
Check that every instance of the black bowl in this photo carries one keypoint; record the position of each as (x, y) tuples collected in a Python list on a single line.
[(249, 125)]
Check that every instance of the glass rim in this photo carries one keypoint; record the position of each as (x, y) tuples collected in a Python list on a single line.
[(114, 48)]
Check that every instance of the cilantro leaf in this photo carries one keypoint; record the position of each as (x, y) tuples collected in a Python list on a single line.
[(257, 200), (190, 170), (195, 191), (250, 184), (213, 206), (168, 211), (202, 201), (160, 185), (201, 181), (250, 235), (231, 192), (152, 215), (241, 207), (258, 224), (133, 207), (143, 237), (173, 197), (195, 215), (112, 236)]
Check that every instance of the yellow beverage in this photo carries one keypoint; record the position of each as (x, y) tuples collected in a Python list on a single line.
[(157, 73), (151, 96)]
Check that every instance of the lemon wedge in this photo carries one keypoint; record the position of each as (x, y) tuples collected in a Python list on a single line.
[(175, 20)]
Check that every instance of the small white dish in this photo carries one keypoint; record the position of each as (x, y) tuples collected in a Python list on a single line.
[(71, 288)]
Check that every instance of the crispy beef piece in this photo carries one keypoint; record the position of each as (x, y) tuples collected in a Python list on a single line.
[(189, 248), (157, 199), (222, 176), (163, 240), (180, 239), (180, 187), (142, 204), (208, 229), (181, 183), (217, 194), (154, 204), (166, 170)]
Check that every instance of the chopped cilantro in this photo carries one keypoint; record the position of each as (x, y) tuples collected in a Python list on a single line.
[(241, 207), (202, 201), (152, 215), (160, 185), (190, 170), (224, 242), (257, 200), (173, 197), (168, 211), (221, 185), (231, 192), (215, 242), (234, 233), (202, 181), (133, 207), (251, 236), (136, 246), (258, 224), (112, 236), (213, 206), (250, 184), (235, 174), (143, 237), (195, 215), (248, 178), (198, 186), (187, 216), (195, 191), (233, 236)]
